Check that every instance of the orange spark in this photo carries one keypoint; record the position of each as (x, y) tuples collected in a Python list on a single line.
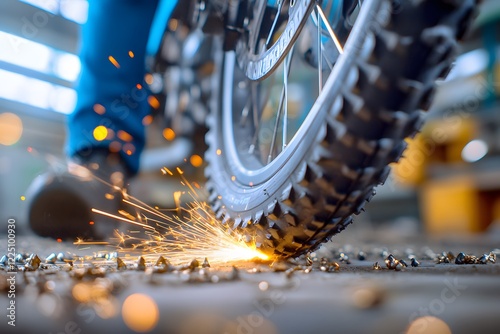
[(122, 219), (147, 120), (149, 79), (168, 134), (80, 242), (115, 147), (153, 102), (114, 61), (125, 136), (196, 160), (165, 170), (99, 109), (182, 233), (129, 148)]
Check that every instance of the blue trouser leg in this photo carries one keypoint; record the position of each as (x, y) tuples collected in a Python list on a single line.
[(112, 95)]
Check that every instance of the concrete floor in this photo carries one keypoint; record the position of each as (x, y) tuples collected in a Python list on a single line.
[(432, 298)]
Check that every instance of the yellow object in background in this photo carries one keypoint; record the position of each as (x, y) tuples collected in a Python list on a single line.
[(410, 170), (454, 196), (496, 211), (440, 142), (451, 206)]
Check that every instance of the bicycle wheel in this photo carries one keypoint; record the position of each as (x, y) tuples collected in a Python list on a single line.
[(313, 106)]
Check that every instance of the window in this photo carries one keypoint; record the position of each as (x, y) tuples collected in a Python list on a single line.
[(74, 10), (38, 75)]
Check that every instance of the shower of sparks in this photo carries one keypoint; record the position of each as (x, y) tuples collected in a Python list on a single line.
[(180, 234)]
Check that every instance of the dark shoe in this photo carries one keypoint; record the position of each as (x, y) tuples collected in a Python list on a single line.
[(61, 202)]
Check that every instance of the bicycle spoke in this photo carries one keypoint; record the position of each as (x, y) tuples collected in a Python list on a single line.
[(271, 33), (276, 123), (282, 105), (320, 53), (329, 29), (285, 88), (328, 62), (255, 105), (320, 58), (256, 117), (244, 113), (253, 113)]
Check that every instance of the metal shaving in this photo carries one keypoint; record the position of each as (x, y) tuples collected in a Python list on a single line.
[(120, 265), (141, 264), (33, 262)]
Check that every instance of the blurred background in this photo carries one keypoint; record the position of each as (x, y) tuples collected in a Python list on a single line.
[(449, 181)]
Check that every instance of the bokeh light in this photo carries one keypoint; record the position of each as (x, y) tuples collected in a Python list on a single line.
[(115, 147), (475, 150), (67, 66), (11, 129), (147, 120), (168, 134), (100, 133), (428, 325), (149, 78), (125, 136), (81, 292), (153, 102), (196, 160), (99, 109), (140, 313), (129, 148)]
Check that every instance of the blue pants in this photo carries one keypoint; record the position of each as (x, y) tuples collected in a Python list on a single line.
[(112, 97)]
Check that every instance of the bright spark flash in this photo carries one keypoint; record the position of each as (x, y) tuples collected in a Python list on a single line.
[(181, 235)]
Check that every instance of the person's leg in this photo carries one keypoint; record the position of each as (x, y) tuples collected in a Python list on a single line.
[(111, 94), (111, 99)]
